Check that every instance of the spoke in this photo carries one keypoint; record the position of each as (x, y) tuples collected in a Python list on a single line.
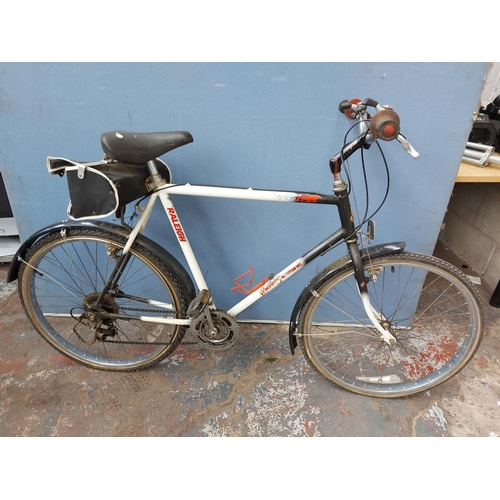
[(418, 292), (95, 266), (68, 253), (347, 368), (394, 317), (334, 306), (45, 275), (349, 330)]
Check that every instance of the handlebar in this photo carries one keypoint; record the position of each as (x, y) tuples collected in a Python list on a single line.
[(384, 124)]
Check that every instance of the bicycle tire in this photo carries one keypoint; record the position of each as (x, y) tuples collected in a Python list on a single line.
[(430, 307), (63, 275)]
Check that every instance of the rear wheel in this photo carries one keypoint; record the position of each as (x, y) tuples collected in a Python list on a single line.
[(60, 284), (431, 309)]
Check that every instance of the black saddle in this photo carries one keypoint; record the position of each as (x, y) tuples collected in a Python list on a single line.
[(135, 148)]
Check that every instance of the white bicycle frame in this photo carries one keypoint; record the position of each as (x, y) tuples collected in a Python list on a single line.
[(215, 192)]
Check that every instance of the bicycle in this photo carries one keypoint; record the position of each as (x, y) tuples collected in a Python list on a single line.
[(379, 321)]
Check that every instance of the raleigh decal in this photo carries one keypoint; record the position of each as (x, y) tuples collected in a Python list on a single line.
[(176, 225)]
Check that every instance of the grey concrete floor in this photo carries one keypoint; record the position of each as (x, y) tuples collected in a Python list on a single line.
[(256, 388)]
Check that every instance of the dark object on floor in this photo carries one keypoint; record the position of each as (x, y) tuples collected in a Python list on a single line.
[(495, 298)]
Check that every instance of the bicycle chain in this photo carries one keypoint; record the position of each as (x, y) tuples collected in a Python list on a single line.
[(136, 309)]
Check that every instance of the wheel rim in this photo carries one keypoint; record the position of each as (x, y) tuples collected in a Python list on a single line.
[(63, 282), (436, 331)]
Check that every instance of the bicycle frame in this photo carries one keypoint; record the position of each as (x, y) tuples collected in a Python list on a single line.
[(346, 232), (243, 194)]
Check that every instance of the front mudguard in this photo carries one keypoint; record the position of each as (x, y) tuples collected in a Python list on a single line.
[(322, 276), (146, 242)]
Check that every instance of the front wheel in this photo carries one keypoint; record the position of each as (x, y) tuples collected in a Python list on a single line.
[(431, 309), (60, 285)]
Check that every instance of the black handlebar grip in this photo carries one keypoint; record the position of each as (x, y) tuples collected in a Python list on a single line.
[(345, 104), (370, 102), (346, 108)]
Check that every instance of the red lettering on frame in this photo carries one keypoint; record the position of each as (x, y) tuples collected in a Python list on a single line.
[(176, 225)]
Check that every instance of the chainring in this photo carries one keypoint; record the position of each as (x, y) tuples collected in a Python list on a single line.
[(225, 330)]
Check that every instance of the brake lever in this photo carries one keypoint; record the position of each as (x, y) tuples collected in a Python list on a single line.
[(407, 146)]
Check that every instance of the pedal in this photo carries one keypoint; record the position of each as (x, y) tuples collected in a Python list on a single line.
[(198, 304)]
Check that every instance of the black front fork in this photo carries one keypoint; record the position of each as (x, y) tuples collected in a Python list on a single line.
[(347, 220)]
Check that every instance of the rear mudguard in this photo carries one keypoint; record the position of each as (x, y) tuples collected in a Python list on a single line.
[(327, 272), (150, 245)]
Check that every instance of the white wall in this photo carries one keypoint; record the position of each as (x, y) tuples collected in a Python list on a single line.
[(491, 85)]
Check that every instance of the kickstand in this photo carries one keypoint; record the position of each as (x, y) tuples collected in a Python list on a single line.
[(269, 336)]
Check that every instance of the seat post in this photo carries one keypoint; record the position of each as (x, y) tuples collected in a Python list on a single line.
[(156, 178), (152, 168)]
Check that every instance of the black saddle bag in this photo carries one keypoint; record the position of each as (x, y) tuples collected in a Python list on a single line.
[(98, 190)]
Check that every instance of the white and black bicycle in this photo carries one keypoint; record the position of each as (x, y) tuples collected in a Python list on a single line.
[(379, 322)]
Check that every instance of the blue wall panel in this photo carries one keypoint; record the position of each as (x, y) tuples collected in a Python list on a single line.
[(269, 125)]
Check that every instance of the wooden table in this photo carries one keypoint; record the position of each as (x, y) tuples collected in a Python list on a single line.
[(471, 173)]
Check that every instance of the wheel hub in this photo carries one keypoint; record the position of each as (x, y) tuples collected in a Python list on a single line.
[(386, 325)]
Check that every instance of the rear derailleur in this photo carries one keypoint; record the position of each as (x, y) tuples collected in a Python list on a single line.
[(103, 329)]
